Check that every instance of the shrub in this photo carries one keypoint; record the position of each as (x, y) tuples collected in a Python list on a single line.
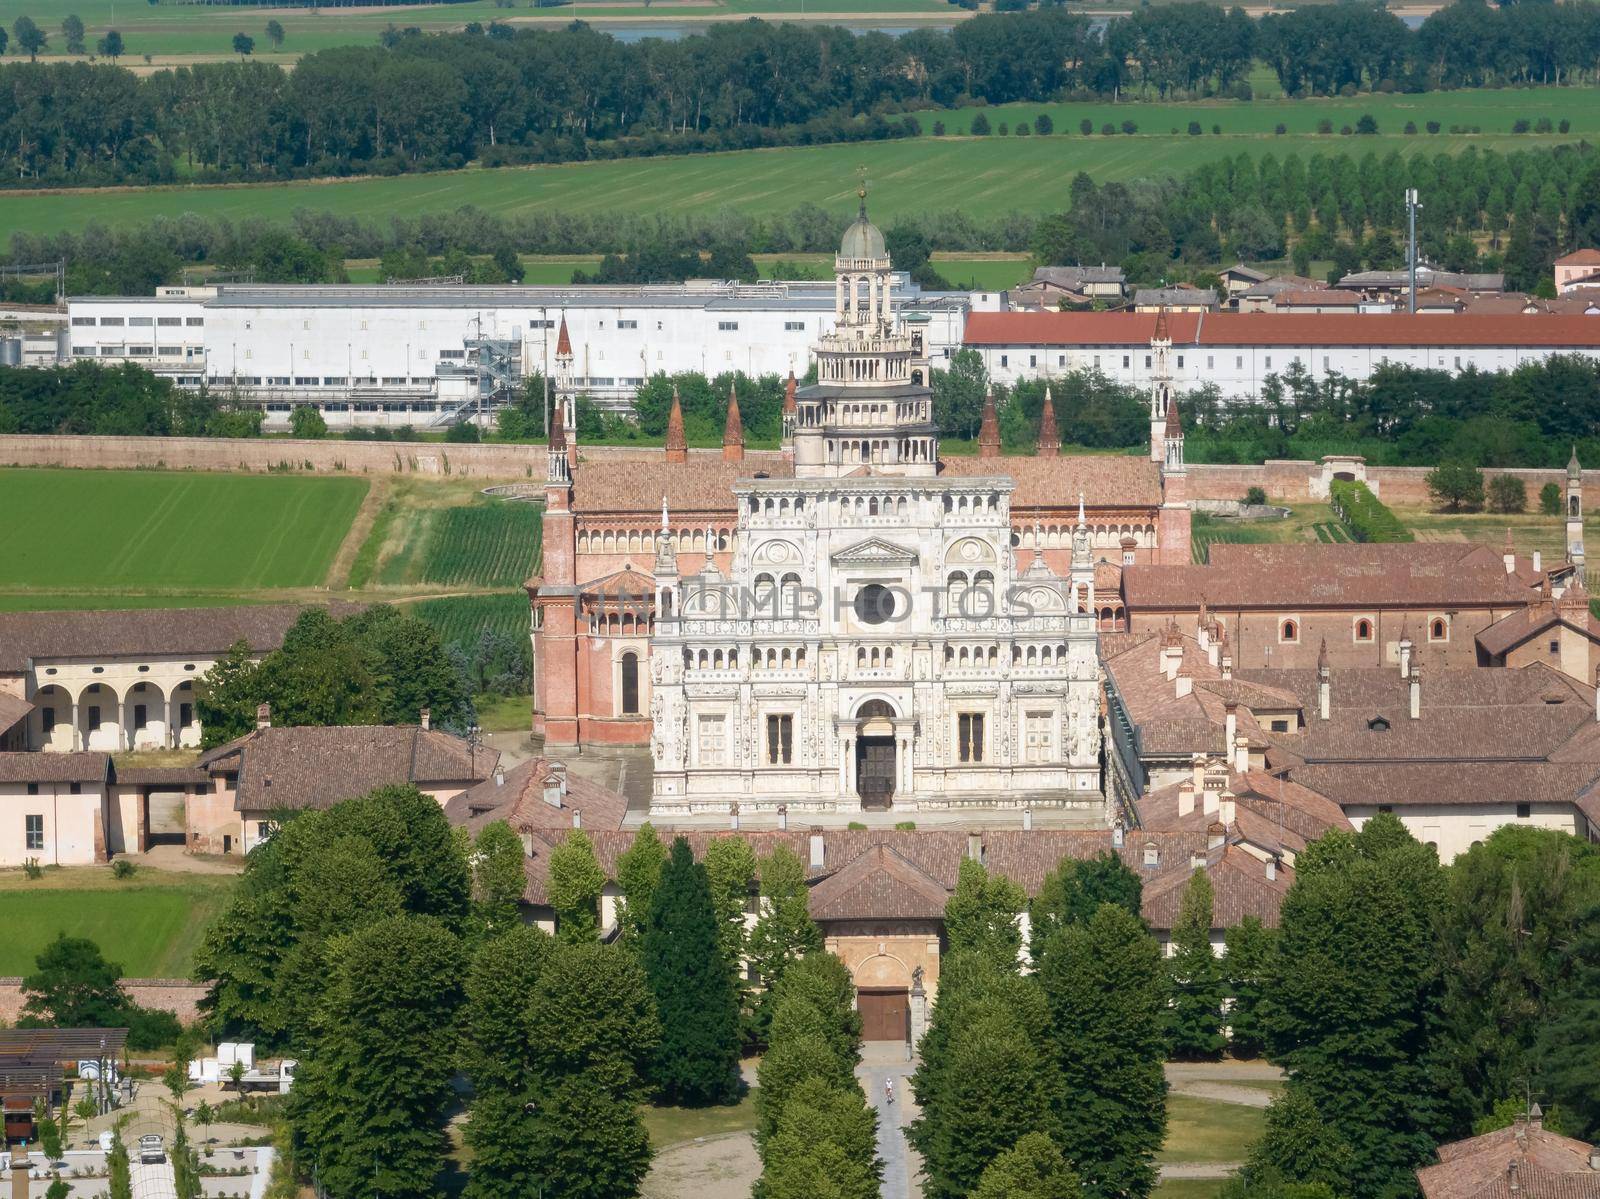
[(306, 422), (151, 1028), (1256, 496), (1368, 124), (1544, 125), (1520, 125), (1507, 494), (1324, 126), (1108, 129), (462, 431), (1280, 128), (979, 126), (1129, 127), (1345, 131), (1456, 485), (1023, 129), (31, 867), (1194, 129), (1363, 516), (1217, 129), (1565, 126), (1550, 499), (1004, 129), (938, 129), (1043, 125), (1086, 126), (1433, 126), (123, 868), (1411, 129), (905, 826)]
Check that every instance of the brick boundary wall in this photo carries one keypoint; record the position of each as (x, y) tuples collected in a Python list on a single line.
[(180, 996), (1282, 479)]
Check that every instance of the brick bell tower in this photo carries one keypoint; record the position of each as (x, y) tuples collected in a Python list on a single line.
[(555, 600)]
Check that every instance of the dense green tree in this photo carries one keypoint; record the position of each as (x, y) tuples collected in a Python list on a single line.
[(1566, 1053), (498, 878), (730, 866), (638, 874), (1298, 1146), (587, 1142), (1074, 891), (29, 37), (275, 34), (118, 1167), (1195, 1017), (784, 930), (1246, 964), (958, 393), (244, 45), (1353, 993), (576, 881), (825, 1143), (72, 33), (1107, 993), (981, 916), (1033, 1168), (595, 1016), (698, 1061), (497, 1054), (1513, 906), (821, 983), (305, 421), (110, 45), (72, 985), (1456, 485), (370, 1100)]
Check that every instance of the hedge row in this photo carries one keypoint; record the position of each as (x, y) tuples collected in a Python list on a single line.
[(1363, 516)]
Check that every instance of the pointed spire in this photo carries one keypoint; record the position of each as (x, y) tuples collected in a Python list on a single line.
[(1174, 421), (789, 406), (558, 427), (1081, 521), (677, 444), (1322, 657), (733, 430), (1049, 438), (1574, 471), (1161, 333), (989, 431), (663, 513), (563, 340), (558, 465)]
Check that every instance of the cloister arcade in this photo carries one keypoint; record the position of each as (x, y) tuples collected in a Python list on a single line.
[(99, 716)]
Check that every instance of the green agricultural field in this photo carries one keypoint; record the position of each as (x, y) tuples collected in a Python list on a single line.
[(493, 543), (149, 924), (176, 29), (152, 530), (461, 619), (982, 175)]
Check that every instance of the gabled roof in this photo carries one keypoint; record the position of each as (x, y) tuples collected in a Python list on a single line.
[(1584, 257), (315, 767), (518, 797), (92, 768), (1511, 631), (1240, 885), (1522, 1161), (880, 884), (13, 710)]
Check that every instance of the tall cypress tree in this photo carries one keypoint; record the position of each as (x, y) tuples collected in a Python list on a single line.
[(1194, 1026), (1107, 991), (698, 1059), (1249, 952)]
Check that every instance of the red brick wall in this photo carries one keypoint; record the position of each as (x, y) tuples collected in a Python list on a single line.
[(1291, 481)]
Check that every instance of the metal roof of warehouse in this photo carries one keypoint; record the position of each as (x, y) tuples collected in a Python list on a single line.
[(1282, 329)]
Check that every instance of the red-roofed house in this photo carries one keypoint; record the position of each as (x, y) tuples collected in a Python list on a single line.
[(1581, 268)]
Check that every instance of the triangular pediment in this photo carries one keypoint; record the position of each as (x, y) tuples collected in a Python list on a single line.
[(875, 551)]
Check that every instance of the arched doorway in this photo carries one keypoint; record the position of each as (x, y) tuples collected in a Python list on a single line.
[(883, 997), (875, 754)]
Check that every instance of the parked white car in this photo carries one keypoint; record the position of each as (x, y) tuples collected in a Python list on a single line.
[(151, 1149)]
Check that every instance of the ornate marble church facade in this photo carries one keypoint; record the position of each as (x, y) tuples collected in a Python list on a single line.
[(871, 644)]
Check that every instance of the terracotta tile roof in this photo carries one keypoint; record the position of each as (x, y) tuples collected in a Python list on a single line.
[(1279, 329), (1523, 1161), (162, 776), (312, 767), (879, 885), (1584, 257), (1296, 576), (1511, 631), (702, 484), (1240, 885), (1399, 784), (13, 710), (140, 631), (1314, 296), (1105, 480), (517, 797), (93, 768)]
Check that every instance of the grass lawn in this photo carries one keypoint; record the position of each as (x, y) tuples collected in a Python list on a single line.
[(1205, 1130), (149, 924), (504, 713), (674, 1125), (66, 529), (1306, 522), (981, 175), (1189, 1188)]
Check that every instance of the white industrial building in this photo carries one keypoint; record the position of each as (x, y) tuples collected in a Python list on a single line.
[(1239, 351), (424, 355)]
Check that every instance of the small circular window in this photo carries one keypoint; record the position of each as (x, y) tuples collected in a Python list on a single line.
[(874, 604)]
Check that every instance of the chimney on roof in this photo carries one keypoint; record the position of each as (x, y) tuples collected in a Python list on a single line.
[(1416, 691), (783, 817), (577, 818), (263, 716), (1272, 867), (499, 776), (1197, 861), (1171, 658), (1210, 796), (1594, 1159), (1405, 651), (1117, 834), (1227, 808), (1513, 1182), (555, 783), (819, 852), (425, 718), (975, 846), (1227, 660), (1324, 682), (1027, 819), (1509, 555), (1241, 754), (733, 815), (1184, 684), (1538, 561), (1197, 771), (1185, 799), (1230, 725)]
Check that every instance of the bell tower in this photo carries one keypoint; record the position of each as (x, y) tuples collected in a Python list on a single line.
[(1575, 512)]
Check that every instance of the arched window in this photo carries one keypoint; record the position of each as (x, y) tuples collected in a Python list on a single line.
[(1572, 505), (630, 684), (1289, 631), (1438, 630), (1363, 629)]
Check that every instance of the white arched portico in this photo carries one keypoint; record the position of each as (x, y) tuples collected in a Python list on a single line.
[(50, 724), (144, 717), (183, 719), (97, 718)]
